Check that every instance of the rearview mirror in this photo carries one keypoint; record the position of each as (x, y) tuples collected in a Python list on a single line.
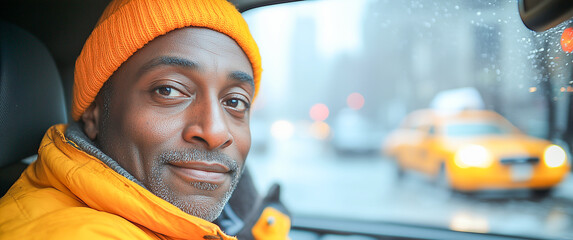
[(244, 5), (540, 15)]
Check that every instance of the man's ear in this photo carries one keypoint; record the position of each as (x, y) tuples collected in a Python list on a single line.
[(91, 120)]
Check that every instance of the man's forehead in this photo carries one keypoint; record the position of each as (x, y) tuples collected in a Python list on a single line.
[(193, 49)]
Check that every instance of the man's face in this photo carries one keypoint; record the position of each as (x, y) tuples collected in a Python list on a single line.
[(177, 118)]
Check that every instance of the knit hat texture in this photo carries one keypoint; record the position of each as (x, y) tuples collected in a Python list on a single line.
[(127, 25)]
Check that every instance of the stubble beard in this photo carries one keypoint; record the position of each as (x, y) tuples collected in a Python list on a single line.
[(201, 208)]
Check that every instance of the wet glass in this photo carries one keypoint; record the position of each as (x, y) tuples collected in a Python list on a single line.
[(340, 75)]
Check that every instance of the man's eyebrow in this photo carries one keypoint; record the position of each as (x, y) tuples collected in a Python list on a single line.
[(242, 77), (186, 63), (167, 61)]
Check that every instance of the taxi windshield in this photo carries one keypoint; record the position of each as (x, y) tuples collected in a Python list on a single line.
[(340, 76), (474, 129)]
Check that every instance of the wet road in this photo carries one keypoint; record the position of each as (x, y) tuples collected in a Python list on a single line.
[(317, 181)]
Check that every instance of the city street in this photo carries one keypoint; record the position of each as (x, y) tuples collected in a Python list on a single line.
[(315, 181)]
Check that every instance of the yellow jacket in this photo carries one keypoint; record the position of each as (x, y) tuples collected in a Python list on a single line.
[(69, 194)]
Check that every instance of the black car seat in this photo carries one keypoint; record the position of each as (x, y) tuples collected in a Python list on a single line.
[(31, 99)]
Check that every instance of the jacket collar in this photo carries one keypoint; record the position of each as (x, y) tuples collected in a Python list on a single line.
[(75, 134)]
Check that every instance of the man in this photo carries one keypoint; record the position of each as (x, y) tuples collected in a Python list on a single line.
[(162, 95)]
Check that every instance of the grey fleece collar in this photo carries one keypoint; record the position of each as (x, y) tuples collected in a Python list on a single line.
[(77, 135)]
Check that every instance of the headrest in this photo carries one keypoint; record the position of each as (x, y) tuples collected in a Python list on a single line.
[(31, 94)]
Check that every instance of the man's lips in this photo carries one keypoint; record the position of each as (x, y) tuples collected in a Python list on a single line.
[(196, 171)]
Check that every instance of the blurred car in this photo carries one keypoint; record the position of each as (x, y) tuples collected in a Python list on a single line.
[(473, 150), (353, 134)]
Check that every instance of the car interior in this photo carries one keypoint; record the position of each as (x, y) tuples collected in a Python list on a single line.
[(39, 43)]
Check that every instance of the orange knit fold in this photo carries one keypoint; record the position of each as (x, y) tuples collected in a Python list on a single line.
[(127, 25)]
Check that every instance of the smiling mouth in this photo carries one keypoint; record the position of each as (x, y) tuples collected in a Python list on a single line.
[(201, 172)]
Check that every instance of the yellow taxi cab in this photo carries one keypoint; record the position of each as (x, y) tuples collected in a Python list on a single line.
[(472, 150)]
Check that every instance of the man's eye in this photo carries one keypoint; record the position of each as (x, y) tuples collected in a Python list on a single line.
[(166, 91), (237, 104)]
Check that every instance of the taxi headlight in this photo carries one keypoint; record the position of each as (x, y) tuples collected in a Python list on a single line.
[(554, 156), (473, 156)]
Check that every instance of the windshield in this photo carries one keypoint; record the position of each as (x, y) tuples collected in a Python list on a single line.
[(341, 75), (474, 129)]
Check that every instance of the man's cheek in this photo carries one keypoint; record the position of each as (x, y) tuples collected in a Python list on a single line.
[(152, 131), (244, 143)]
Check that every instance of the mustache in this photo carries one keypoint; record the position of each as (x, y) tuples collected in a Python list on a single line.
[(198, 155)]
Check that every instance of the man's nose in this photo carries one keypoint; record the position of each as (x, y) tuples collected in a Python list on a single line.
[(207, 125)]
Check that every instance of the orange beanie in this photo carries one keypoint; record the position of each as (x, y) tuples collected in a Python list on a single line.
[(127, 25)]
